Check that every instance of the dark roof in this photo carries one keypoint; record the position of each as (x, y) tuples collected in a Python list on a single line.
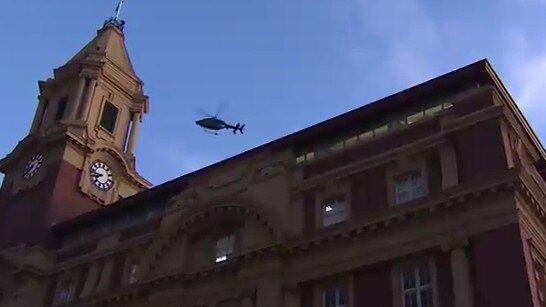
[(475, 72)]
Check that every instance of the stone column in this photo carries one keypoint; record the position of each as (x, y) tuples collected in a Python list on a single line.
[(292, 297), (462, 284), (248, 302), (90, 281), (84, 110), (105, 276), (269, 292), (77, 100), (39, 115), (133, 133), (448, 160)]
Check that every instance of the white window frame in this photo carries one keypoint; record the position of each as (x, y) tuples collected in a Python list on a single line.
[(412, 183), (398, 280), (338, 290), (224, 248), (334, 210), (418, 287)]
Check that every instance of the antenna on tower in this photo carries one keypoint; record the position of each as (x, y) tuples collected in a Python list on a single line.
[(116, 21), (118, 9)]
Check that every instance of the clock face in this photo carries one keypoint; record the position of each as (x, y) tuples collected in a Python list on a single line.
[(32, 166), (101, 175)]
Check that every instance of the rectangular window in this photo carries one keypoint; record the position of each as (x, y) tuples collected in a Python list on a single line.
[(381, 130), (351, 141), (433, 110), (133, 270), (368, 135), (224, 248), (109, 117), (65, 290), (409, 187), (417, 288), (337, 146), (61, 108), (322, 151), (335, 297), (416, 117), (334, 210), (447, 105)]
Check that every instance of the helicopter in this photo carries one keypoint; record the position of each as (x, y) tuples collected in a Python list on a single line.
[(213, 124)]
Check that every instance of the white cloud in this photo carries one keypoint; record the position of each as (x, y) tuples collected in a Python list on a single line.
[(417, 45), (526, 68), (405, 31), (530, 78)]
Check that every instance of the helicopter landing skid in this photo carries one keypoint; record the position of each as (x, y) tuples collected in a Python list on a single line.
[(210, 132)]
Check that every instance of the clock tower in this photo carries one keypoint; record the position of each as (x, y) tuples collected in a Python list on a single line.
[(79, 153)]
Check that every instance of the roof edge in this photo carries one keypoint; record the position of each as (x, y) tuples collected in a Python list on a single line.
[(178, 183)]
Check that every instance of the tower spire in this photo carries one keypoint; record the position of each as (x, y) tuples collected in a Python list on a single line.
[(115, 20)]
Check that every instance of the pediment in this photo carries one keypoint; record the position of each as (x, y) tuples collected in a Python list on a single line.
[(108, 46)]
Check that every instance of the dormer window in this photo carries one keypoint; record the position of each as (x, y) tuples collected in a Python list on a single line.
[(224, 248), (109, 117), (409, 186), (334, 210)]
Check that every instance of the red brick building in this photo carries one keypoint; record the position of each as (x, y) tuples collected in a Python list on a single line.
[(431, 197)]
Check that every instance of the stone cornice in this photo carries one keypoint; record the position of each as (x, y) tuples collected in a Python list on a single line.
[(408, 149), (532, 225), (370, 162), (532, 208), (98, 254), (534, 194), (406, 213)]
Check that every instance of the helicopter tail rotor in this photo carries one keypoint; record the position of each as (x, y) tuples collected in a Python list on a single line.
[(239, 128)]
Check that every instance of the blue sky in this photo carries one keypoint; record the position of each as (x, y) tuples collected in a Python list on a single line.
[(277, 66)]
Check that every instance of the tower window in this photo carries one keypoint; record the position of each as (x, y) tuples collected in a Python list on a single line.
[(109, 116), (61, 108)]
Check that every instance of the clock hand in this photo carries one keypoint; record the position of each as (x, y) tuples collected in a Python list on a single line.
[(96, 175)]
